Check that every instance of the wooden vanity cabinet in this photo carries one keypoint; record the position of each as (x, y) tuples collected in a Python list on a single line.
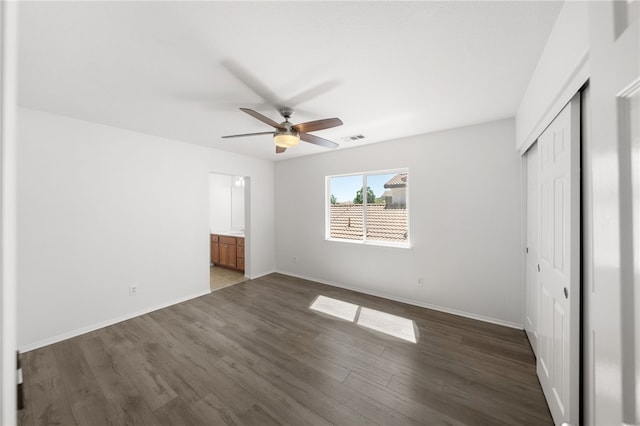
[(228, 256), (215, 249), (240, 253), (227, 251)]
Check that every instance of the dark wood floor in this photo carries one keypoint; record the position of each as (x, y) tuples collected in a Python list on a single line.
[(255, 354)]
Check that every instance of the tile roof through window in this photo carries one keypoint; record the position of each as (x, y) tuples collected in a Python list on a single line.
[(398, 181), (383, 224)]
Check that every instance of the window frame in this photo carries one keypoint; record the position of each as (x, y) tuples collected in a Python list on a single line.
[(407, 244)]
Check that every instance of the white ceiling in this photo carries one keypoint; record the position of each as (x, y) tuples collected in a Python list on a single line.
[(181, 70)]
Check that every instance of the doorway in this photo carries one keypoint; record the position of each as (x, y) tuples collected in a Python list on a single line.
[(228, 195)]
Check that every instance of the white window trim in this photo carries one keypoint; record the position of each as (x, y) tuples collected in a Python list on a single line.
[(380, 243)]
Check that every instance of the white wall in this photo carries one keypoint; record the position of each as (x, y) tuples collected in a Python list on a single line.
[(464, 194), (562, 69), (219, 202), (102, 208), (8, 263)]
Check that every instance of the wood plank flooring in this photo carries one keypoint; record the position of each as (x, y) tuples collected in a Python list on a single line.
[(255, 354)]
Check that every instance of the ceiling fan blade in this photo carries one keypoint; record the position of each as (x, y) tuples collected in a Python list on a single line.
[(262, 118), (280, 149), (317, 140), (252, 82), (312, 126), (311, 93), (247, 134)]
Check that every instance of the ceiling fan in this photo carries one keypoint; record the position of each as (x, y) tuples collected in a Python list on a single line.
[(288, 134)]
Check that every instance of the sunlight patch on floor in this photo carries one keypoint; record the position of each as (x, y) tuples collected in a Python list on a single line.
[(400, 327), (336, 308), (393, 325)]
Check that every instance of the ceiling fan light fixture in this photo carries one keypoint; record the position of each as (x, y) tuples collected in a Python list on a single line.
[(286, 138)]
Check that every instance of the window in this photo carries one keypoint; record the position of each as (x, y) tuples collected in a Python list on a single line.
[(369, 207)]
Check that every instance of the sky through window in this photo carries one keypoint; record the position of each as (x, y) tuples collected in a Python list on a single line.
[(344, 187)]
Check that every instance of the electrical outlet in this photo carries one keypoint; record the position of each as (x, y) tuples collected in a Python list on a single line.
[(295, 259), (133, 290), (420, 282)]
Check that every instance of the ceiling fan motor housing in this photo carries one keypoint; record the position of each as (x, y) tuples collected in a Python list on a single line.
[(286, 112)]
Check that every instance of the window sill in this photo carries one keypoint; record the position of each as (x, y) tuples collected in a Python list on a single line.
[(373, 243)]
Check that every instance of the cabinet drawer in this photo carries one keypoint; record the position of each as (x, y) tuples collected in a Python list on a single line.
[(228, 240), (240, 252), (214, 238), (240, 241)]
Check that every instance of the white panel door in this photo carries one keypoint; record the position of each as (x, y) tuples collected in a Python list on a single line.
[(531, 282), (612, 375), (558, 356)]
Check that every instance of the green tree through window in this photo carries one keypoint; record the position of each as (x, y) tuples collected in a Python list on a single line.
[(371, 197)]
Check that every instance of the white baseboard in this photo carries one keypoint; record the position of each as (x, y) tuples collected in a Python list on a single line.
[(93, 327), (259, 274), (410, 301)]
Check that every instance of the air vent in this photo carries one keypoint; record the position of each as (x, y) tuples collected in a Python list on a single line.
[(353, 138)]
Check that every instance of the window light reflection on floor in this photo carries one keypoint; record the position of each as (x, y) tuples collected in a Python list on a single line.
[(393, 325), (335, 308), (383, 322)]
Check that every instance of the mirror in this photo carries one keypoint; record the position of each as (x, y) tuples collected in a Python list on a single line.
[(237, 203), (226, 203)]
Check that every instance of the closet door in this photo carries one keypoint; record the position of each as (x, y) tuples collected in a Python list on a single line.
[(531, 285), (558, 356)]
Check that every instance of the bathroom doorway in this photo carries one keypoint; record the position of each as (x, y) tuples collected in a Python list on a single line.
[(228, 200)]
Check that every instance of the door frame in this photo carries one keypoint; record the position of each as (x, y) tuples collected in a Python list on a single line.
[(586, 258), (611, 382), (8, 212)]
